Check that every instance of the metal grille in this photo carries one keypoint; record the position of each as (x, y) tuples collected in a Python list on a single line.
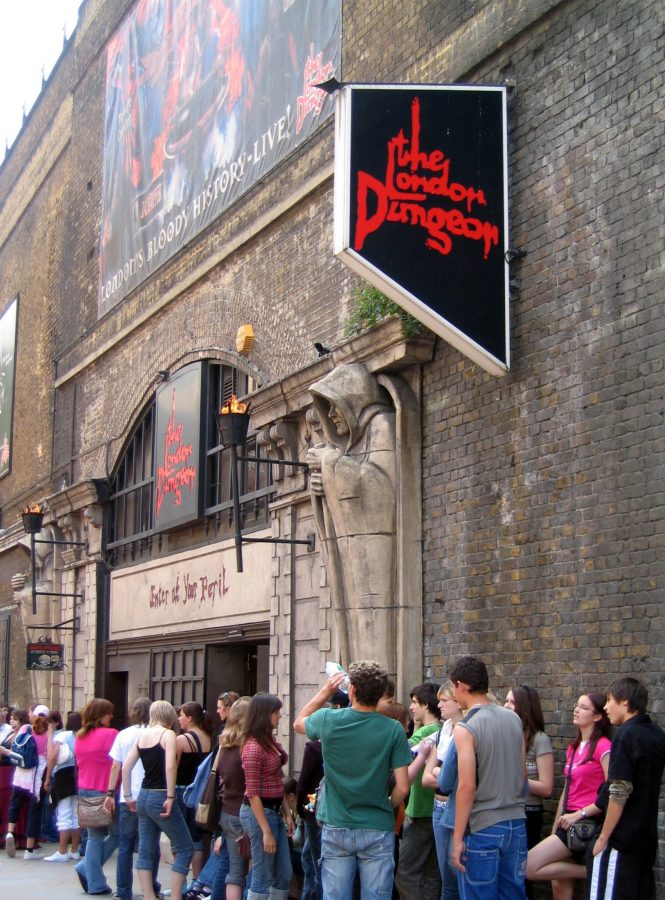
[(177, 675)]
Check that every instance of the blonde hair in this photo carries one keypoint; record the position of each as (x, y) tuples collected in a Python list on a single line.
[(162, 713), (446, 690), (234, 730)]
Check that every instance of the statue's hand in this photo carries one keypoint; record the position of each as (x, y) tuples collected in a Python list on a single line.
[(316, 482)]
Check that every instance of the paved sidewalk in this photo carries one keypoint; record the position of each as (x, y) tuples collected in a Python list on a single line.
[(54, 881)]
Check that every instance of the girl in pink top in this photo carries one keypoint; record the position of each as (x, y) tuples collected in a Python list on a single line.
[(91, 749), (587, 760)]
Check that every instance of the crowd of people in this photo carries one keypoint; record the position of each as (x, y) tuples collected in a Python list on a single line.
[(440, 799)]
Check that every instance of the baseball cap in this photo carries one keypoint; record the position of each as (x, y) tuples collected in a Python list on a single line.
[(40, 710)]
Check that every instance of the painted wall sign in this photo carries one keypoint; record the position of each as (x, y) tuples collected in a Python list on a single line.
[(192, 589), (202, 101), (45, 656), (178, 432), (421, 206)]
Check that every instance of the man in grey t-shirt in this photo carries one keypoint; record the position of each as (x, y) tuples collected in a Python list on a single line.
[(489, 841)]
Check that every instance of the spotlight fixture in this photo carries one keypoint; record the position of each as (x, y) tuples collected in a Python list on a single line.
[(330, 86)]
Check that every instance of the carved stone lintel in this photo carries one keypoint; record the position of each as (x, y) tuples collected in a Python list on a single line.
[(280, 441)]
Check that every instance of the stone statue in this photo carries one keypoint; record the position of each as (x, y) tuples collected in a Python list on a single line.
[(353, 488)]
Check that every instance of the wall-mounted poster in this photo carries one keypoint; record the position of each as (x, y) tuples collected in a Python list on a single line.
[(421, 207), (8, 323), (202, 100), (178, 427)]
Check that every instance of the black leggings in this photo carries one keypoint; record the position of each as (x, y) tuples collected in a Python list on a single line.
[(18, 801)]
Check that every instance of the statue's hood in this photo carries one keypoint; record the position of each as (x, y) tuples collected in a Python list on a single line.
[(356, 394)]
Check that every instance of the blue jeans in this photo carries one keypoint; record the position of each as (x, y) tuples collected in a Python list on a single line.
[(311, 861), (495, 863), (442, 838), (100, 845), (343, 850), (149, 807), (268, 869), (218, 884), (128, 831), (232, 828)]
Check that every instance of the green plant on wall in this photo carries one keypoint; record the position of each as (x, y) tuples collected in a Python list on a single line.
[(369, 306)]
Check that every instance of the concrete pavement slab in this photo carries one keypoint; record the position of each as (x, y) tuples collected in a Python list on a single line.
[(55, 880)]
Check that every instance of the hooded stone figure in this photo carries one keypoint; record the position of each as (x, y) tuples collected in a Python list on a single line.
[(352, 481)]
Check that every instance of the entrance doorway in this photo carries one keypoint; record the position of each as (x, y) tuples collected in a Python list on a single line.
[(235, 667)]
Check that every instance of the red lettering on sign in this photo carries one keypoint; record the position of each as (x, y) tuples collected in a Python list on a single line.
[(412, 178), (174, 474)]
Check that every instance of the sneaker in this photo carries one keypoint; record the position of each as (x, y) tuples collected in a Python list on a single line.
[(76, 855), (33, 854), (10, 844), (57, 857)]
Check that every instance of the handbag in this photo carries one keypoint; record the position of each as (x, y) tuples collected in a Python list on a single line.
[(91, 812), (209, 806), (580, 835)]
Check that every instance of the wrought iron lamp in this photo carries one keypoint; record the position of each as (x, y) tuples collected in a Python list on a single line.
[(233, 424), (33, 520)]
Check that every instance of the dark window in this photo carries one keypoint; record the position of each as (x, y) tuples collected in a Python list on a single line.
[(254, 477), (130, 528), (130, 516)]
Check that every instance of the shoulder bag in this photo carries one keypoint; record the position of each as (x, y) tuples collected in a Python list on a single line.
[(209, 806), (580, 835)]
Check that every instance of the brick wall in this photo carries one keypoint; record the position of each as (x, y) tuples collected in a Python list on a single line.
[(543, 513)]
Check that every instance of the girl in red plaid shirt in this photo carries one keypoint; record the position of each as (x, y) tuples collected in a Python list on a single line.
[(264, 814)]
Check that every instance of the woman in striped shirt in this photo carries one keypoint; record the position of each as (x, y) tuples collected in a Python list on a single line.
[(264, 814)]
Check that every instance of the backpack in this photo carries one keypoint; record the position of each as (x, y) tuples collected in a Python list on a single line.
[(24, 750)]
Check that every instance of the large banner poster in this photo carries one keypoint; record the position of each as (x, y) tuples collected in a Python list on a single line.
[(203, 98), (7, 369)]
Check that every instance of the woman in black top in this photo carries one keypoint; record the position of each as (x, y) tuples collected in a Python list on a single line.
[(156, 807), (192, 747)]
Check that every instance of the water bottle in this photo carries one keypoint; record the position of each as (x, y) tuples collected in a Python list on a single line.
[(331, 668)]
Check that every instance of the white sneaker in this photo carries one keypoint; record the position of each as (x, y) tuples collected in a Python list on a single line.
[(75, 855), (33, 854), (57, 857), (10, 844)]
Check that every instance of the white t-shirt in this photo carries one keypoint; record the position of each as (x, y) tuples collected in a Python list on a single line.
[(445, 739), (119, 752)]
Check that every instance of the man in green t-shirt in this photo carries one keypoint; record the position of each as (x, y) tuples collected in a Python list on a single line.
[(361, 751), (418, 872)]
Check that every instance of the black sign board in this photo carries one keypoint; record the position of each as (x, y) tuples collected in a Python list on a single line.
[(178, 449), (421, 206), (45, 657)]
